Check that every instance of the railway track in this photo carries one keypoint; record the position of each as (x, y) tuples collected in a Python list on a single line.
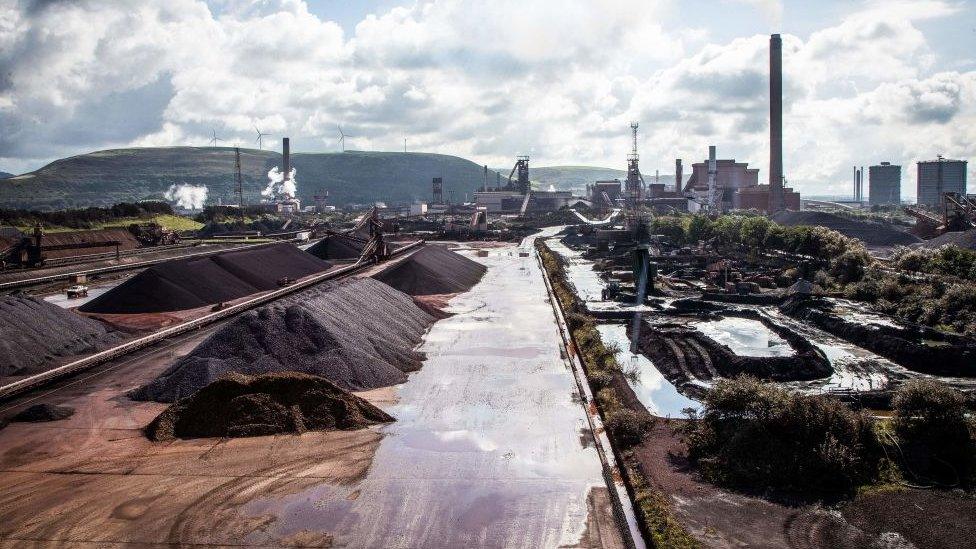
[(39, 380)]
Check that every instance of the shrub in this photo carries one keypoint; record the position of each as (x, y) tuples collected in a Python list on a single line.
[(938, 438), (758, 436), (628, 427)]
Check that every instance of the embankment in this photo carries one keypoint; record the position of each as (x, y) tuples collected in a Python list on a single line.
[(914, 347)]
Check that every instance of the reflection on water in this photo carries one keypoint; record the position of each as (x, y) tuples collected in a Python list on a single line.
[(589, 286), (486, 449), (746, 337), (656, 393)]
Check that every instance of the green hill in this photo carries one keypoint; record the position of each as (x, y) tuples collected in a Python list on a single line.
[(107, 177), (4, 175), (572, 178), (576, 178)]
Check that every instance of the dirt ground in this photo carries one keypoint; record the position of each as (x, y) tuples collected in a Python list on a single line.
[(723, 519), (94, 479)]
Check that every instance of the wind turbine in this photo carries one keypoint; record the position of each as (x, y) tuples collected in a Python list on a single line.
[(259, 139), (213, 141), (342, 138)]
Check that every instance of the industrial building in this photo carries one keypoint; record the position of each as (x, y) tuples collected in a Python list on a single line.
[(884, 184), (736, 187), (939, 176)]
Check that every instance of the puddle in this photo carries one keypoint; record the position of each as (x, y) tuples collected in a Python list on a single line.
[(589, 286), (486, 449), (654, 390), (746, 337)]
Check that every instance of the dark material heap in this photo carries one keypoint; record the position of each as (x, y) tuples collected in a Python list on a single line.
[(44, 412), (35, 333), (244, 406), (338, 246), (433, 270), (358, 333), (197, 282)]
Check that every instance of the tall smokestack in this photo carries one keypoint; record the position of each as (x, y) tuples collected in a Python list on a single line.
[(677, 175), (286, 156), (776, 201)]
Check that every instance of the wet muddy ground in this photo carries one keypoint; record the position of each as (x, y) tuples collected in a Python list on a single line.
[(487, 447), (489, 450)]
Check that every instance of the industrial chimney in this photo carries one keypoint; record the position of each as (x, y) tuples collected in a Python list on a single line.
[(286, 157), (677, 175), (776, 200)]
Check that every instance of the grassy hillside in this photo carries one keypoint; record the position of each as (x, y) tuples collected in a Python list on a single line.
[(575, 178), (572, 178), (107, 177)]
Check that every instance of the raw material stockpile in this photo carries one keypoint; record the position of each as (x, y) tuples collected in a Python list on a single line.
[(963, 239), (358, 333), (433, 270), (871, 233), (242, 406), (35, 333), (197, 282), (338, 246)]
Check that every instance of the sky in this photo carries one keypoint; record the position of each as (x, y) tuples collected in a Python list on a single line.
[(559, 80)]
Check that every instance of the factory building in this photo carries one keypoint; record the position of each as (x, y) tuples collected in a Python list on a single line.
[(499, 201), (939, 176), (884, 184), (729, 175), (613, 189), (758, 197)]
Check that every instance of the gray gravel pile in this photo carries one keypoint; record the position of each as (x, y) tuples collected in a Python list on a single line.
[(357, 333), (34, 334), (963, 239)]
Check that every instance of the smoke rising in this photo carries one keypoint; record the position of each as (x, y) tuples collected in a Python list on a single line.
[(190, 197), (279, 185)]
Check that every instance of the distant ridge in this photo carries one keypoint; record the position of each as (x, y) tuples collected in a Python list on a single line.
[(107, 177), (4, 175)]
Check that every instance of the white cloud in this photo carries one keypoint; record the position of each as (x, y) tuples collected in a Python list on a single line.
[(559, 80)]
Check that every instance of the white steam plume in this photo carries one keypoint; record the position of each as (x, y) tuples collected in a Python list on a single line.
[(279, 185), (190, 197)]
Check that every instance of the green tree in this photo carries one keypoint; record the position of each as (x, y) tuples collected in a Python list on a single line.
[(754, 231), (699, 228)]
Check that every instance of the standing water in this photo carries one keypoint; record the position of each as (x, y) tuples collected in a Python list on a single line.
[(486, 449)]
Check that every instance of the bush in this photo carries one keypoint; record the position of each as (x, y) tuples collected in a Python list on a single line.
[(628, 427), (758, 436), (938, 438)]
